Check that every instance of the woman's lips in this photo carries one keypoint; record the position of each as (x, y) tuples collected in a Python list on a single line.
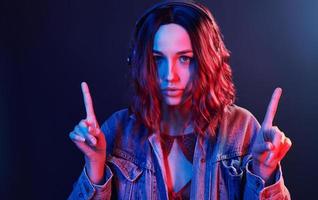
[(172, 92)]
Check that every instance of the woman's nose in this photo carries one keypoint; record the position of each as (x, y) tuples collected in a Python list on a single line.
[(171, 73)]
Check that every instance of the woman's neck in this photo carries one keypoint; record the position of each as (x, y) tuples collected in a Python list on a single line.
[(175, 118)]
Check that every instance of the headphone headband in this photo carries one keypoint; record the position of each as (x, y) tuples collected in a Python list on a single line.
[(170, 3)]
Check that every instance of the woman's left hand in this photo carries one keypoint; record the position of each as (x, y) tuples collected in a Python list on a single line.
[(271, 144)]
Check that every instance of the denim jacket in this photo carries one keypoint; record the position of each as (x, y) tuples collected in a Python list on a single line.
[(221, 164)]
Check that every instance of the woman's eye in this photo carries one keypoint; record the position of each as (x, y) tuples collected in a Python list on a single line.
[(185, 59)]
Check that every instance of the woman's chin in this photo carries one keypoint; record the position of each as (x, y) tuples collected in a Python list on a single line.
[(172, 101), (177, 101)]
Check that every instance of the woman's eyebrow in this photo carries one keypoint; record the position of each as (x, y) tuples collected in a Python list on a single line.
[(179, 52), (185, 51)]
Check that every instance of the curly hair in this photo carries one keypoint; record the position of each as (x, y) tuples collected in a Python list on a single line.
[(213, 88)]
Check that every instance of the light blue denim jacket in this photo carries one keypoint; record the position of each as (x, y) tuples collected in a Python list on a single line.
[(221, 165)]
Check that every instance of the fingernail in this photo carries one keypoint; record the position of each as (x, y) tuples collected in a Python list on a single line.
[(270, 146), (82, 139), (93, 141)]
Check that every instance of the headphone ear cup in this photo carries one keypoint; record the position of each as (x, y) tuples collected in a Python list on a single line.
[(131, 48), (131, 54), (129, 60)]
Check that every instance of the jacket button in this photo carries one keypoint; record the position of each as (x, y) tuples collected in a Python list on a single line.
[(202, 160), (81, 195)]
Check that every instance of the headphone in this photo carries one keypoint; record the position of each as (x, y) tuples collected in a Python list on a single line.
[(166, 4)]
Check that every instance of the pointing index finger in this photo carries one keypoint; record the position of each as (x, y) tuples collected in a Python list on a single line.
[(90, 114), (272, 108)]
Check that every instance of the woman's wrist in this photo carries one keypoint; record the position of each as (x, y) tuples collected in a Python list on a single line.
[(95, 172), (267, 173)]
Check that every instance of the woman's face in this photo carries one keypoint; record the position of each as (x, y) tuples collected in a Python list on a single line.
[(173, 54)]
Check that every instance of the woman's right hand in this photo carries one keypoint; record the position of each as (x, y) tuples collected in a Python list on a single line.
[(90, 140)]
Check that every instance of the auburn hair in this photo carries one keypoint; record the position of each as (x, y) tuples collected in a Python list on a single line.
[(212, 86)]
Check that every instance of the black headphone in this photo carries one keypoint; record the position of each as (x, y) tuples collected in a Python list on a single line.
[(168, 3)]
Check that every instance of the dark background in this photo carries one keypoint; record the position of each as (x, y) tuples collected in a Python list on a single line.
[(48, 47)]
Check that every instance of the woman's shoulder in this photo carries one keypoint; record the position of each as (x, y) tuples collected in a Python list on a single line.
[(118, 119), (238, 114), (238, 121), (120, 130), (236, 109), (120, 116)]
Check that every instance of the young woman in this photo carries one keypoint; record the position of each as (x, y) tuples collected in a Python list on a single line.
[(182, 137)]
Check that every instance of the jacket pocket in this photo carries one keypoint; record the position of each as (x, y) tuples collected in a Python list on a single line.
[(128, 169), (128, 179), (232, 170)]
